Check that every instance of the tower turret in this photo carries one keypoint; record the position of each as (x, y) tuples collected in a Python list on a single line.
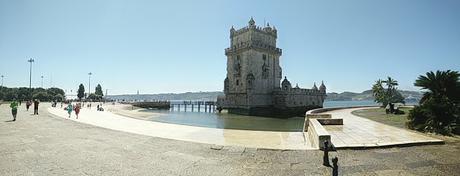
[(286, 84), (314, 87), (322, 88), (251, 22)]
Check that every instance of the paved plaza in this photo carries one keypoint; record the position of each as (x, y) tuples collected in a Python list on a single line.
[(51, 145), (356, 131), (215, 136), (361, 132)]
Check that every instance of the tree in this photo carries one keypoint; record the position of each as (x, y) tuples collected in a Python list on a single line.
[(391, 83), (98, 91), (42, 96), (24, 93), (93, 96), (378, 91), (59, 97), (81, 92), (388, 95), (441, 83), (55, 91), (439, 109)]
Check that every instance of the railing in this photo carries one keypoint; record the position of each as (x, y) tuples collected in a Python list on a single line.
[(194, 106)]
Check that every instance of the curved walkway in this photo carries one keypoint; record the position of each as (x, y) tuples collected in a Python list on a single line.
[(224, 137), (361, 132)]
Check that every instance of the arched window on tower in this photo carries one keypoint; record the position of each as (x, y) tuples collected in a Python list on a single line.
[(226, 86), (265, 67), (237, 66), (250, 81)]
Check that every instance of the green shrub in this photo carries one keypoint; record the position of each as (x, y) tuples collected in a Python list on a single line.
[(438, 115)]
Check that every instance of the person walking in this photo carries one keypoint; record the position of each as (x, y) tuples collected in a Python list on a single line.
[(14, 108), (77, 109), (69, 109), (28, 104), (36, 103)]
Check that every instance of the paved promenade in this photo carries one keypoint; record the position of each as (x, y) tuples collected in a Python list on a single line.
[(216, 136), (50, 145), (356, 132), (361, 132)]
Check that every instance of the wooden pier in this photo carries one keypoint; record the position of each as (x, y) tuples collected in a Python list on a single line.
[(191, 106), (152, 104), (194, 106)]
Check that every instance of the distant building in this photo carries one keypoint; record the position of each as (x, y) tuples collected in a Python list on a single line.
[(252, 85)]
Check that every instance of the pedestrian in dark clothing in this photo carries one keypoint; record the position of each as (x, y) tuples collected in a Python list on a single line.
[(36, 102), (28, 104)]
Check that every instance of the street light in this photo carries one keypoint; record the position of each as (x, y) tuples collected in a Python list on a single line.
[(42, 81), (30, 76), (89, 83), (2, 80), (30, 72)]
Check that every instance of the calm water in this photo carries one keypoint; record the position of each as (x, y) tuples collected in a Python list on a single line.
[(333, 104), (232, 121)]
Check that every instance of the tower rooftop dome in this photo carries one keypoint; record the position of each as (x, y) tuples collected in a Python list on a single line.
[(314, 86), (252, 22)]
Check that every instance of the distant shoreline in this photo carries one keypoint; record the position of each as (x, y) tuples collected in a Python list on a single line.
[(411, 96)]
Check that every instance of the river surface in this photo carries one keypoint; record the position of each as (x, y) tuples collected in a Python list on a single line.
[(233, 121)]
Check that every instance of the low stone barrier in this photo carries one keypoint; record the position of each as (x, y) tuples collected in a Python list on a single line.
[(317, 134), (328, 116), (330, 121), (314, 116), (314, 121)]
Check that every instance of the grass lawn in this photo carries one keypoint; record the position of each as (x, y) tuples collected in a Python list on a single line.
[(379, 115)]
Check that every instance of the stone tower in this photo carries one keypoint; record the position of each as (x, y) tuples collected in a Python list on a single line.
[(252, 85), (253, 69)]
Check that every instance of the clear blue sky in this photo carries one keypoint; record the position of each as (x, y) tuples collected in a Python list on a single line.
[(178, 46)]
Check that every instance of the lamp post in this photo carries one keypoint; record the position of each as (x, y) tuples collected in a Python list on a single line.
[(30, 72), (89, 83), (105, 99), (2, 80), (42, 81), (30, 76)]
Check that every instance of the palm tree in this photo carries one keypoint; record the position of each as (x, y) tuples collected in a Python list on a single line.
[(389, 95), (377, 88), (439, 109), (391, 83), (439, 84)]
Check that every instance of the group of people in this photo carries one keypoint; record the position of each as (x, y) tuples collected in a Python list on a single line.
[(29, 103), (75, 108), (14, 107), (69, 108)]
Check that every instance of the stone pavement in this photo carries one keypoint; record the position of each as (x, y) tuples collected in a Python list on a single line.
[(227, 137), (361, 132), (50, 145)]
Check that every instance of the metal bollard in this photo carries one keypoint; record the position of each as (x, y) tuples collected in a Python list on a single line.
[(326, 154), (335, 167)]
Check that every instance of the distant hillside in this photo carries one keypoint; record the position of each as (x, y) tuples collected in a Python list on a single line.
[(411, 96), (205, 96), (367, 95)]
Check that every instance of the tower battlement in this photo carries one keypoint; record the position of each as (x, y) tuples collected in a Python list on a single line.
[(252, 26), (253, 36)]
